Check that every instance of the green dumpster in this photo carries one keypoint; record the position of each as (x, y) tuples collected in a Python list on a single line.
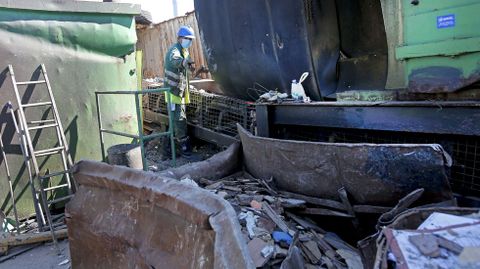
[(441, 44), (86, 47)]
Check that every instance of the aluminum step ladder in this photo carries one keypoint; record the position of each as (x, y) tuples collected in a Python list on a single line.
[(25, 127)]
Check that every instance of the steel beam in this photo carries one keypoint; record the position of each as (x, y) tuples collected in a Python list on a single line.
[(456, 118)]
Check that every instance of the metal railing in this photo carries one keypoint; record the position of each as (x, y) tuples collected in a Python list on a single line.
[(141, 138)]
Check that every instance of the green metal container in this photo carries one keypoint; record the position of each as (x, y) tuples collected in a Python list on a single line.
[(441, 44), (86, 47)]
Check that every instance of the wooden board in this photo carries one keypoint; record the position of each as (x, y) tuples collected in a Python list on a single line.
[(156, 40)]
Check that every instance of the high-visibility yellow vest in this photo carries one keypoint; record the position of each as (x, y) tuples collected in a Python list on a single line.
[(173, 69)]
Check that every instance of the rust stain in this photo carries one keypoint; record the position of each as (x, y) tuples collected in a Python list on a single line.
[(124, 218)]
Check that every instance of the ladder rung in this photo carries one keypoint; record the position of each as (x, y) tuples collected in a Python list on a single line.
[(55, 187), (59, 199), (54, 174), (31, 82), (41, 121), (45, 152), (36, 104), (42, 126)]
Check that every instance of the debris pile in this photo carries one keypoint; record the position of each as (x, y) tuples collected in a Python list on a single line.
[(30, 224), (273, 97), (441, 241), (14, 242), (277, 235), (157, 162)]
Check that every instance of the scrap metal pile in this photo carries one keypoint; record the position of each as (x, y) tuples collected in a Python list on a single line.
[(250, 206), (431, 238), (275, 229), (279, 234)]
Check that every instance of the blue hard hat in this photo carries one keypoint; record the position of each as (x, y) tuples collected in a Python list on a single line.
[(186, 31)]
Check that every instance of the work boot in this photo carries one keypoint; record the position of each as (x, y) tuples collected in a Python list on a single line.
[(166, 149), (185, 147)]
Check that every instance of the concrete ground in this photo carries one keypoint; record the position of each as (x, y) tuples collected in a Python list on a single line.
[(43, 256)]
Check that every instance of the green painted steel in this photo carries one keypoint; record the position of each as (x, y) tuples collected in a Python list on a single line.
[(392, 18), (139, 137), (450, 47), (88, 32), (84, 51), (441, 44)]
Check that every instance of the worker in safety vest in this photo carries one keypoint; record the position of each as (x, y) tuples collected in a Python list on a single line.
[(178, 64)]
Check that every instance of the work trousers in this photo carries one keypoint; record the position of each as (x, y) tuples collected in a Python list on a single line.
[(179, 122)]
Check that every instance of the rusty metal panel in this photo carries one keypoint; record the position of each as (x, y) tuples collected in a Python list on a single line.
[(124, 218), (155, 41), (372, 174), (218, 166)]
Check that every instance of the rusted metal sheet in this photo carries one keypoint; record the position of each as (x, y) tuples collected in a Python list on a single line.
[(372, 174), (155, 41), (439, 79), (123, 218), (374, 248), (218, 166)]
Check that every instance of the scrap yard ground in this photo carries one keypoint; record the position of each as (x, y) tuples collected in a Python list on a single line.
[(44, 256)]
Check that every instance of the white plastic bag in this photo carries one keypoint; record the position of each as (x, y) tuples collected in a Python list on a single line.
[(298, 92)]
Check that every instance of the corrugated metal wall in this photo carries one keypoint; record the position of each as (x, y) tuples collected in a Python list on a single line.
[(155, 41)]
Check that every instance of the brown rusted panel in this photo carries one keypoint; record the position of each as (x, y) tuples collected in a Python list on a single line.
[(440, 79), (218, 166), (124, 218), (371, 174)]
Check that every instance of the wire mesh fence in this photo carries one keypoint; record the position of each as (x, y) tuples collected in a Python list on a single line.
[(215, 112)]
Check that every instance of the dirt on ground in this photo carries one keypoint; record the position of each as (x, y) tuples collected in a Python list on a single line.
[(201, 151), (42, 256)]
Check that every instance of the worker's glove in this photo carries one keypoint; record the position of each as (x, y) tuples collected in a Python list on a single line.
[(192, 67), (185, 63), (188, 64)]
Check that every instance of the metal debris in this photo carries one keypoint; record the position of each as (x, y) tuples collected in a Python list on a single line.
[(273, 97), (427, 244), (64, 262), (441, 237), (255, 247), (270, 222), (187, 180)]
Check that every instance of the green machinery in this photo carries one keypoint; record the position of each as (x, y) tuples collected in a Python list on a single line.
[(441, 46)]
